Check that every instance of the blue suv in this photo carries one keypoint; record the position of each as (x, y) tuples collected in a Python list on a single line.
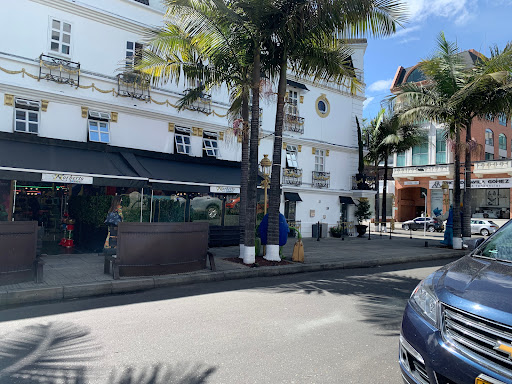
[(457, 325)]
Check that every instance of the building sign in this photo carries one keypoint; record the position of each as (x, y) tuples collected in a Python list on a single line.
[(414, 182), (502, 182), (224, 189), (66, 178)]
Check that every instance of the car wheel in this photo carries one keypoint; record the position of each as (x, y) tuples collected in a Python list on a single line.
[(406, 227), (212, 212), (484, 232), (431, 228)]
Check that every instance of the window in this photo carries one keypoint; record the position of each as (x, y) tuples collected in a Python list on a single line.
[(210, 144), (420, 154), (502, 118), (292, 102), (400, 159), (60, 37), (26, 116), (489, 137), (319, 160), (291, 156), (489, 117), (440, 147), (99, 130), (502, 140), (133, 53), (145, 2), (182, 141), (489, 156)]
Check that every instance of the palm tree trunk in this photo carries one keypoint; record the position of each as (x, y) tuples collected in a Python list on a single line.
[(457, 241), (377, 194), (250, 222), (244, 173), (275, 181), (384, 188), (466, 218)]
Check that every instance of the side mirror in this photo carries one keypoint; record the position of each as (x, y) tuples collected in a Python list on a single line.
[(474, 243)]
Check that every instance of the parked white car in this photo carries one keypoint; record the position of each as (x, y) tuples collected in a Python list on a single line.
[(483, 227)]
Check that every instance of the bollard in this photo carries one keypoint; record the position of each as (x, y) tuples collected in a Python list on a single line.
[(380, 229), (390, 229), (426, 244), (410, 233), (369, 230), (318, 231)]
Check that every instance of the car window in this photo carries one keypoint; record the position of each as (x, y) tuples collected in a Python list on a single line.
[(473, 222), (419, 219), (481, 222), (499, 246), (492, 222)]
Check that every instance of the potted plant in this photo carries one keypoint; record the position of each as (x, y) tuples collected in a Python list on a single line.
[(362, 213)]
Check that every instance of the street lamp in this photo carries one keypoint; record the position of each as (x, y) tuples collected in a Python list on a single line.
[(265, 168)]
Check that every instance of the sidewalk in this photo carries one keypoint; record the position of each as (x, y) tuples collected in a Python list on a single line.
[(76, 276)]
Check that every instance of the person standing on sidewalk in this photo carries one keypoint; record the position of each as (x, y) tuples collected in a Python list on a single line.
[(114, 217)]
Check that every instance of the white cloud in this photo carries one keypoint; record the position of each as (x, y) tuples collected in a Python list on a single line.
[(459, 10), (380, 85), (367, 101)]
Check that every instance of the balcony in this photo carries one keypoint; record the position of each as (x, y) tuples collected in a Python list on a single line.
[(492, 167), (292, 176), (293, 123), (321, 179), (423, 171), (202, 104), (59, 70), (134, 85), (363, 183)]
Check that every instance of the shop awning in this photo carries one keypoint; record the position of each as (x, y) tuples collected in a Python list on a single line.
[(292, 196), (296, 84), (346, 200), (35, 161), (191, 175)]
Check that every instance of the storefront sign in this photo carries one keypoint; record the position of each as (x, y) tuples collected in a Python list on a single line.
[(66, 178), (224, 189), (414, 182), (504, 182)]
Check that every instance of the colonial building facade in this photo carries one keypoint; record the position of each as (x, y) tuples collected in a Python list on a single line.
[(74, 124), (424, 174)]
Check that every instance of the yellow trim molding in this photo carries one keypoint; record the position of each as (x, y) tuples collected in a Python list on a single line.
[(44, 105), (113, 117), (323, 98), (9, 100), (85, 110), (171, 127)]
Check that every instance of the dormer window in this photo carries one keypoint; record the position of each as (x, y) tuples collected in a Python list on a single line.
[(182, 141), (99, 127), (26, 116)]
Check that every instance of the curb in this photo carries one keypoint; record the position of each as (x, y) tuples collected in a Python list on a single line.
[(78, 291)]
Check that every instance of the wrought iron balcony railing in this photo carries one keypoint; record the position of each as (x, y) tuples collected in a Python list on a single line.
[(292, 176), (293, 123), (363, 182), (202, 104), (61, 71), (133, 84), (321, 179)]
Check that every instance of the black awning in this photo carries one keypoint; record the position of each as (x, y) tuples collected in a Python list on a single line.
[(346, 200), (292, 196), (27, 161), (296, 84), (189, 176)]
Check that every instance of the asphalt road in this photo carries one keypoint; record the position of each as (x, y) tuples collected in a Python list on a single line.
[(325, 327)]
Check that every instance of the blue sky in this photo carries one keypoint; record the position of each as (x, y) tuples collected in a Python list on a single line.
[(476, 24)]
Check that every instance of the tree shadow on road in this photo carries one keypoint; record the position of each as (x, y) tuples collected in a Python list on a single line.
[(161, 374)]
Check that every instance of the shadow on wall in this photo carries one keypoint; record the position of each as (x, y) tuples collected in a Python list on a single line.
[(58, 353)]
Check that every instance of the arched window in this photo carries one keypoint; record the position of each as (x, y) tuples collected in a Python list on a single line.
[(502, 141), (489, 137), (415, 76)]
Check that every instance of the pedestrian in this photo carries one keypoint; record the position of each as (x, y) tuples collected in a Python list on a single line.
[(114, 217)]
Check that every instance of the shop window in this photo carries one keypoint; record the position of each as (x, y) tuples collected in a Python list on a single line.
[(489, 156), (440, 147), (26, 116), (489, 137), (502, 141), (502, 119), (210, 144), (319, 160), (182, 141), (400, 159), (420, 154), (60, 37), (99, 127), (133, 53), (291, 156)]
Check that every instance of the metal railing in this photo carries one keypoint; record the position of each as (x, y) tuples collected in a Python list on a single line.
[(363, 182), (348, 228), (133, 84), (203, 104), (61, 71), (292, 176), (321, 179), (293, 123)]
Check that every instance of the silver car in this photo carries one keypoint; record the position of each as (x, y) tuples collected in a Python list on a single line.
[(483, 227)]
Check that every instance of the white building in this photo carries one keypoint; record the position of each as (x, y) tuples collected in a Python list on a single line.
[(72, 124)]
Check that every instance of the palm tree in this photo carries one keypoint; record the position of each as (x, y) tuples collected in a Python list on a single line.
[(304, 38), (455, 96)]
